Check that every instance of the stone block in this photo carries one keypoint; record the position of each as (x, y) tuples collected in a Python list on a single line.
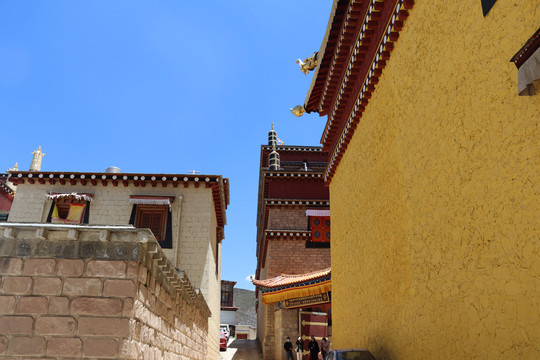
[(70, 267), (112, 269), (121, 288), (18, 285), (32, 305), (64, 347), (16, 325), (82, 287), (7, 304), (100, 348), (11, 266), (39, 267), (26, 346), (47, 286), (3, 344), (59, 305), (55, 325), (96, 306), (99, 326)]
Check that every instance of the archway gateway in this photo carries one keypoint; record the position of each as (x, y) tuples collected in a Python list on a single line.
[(305, 293)]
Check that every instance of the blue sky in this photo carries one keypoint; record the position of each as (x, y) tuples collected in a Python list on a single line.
[(159, 87)]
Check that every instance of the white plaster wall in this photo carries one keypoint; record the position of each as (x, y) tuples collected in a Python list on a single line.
[(228, 317)]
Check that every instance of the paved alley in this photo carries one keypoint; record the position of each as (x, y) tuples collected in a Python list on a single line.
[(240, 349)]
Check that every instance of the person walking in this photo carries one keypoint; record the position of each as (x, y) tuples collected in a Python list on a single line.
[(325, 347), (313, 347), (288, 348), (299, 348)]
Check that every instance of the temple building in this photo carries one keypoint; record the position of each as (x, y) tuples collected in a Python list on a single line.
[(432, 134), (293, 245), (185, 212)]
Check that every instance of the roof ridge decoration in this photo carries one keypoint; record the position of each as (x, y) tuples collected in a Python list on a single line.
[(291, 278), (285, 286), (294, 148)]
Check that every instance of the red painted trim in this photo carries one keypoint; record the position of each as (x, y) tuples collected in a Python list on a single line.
[(220, 187), (343, 120), (527, 50)]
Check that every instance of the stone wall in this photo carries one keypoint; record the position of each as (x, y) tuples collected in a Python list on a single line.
[(286, 325), (287, 218), (95, 292), (290, 256), (435, 204)]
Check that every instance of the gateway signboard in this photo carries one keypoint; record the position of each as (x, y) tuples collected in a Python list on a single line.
[(307, 300)]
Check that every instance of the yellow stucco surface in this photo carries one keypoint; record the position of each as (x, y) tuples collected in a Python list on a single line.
[(436, 202)]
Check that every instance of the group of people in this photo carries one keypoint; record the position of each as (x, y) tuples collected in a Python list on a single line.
[(313, 347)]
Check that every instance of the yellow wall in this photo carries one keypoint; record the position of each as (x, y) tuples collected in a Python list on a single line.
[(441, 255)]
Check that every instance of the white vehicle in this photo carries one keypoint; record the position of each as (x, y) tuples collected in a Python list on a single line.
[(225, 329)]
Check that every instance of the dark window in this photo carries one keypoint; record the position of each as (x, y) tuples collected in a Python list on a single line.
[(227, 295), (153, 217)]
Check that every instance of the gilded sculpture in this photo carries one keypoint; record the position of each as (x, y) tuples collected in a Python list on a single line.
[(308, 64)]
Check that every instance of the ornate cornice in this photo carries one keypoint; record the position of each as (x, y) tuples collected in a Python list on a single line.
[(218, 184), (367, 32)]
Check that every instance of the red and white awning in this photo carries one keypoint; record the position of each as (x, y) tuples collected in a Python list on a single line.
[(150, 200), (73, 195), (317, 212)]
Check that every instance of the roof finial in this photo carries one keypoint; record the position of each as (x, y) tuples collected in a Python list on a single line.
[(298, 110), (14, 168), (35, 165), (273, 157), (272, 136)]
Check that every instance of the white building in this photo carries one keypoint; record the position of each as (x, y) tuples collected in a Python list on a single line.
[(186, 213)]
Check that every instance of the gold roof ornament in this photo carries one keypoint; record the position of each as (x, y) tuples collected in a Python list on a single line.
[(35, 165), (14, 168), (308, 64), (298, 110)]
